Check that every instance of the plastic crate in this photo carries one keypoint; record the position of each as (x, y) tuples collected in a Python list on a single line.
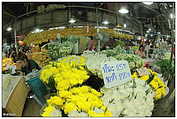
[(37, 86)]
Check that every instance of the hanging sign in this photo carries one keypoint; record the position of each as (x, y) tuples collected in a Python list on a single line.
[(115, 73)]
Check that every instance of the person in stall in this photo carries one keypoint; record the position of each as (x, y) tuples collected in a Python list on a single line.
[(140, 51), (12, 53), (25, 65), (147, 48), (92, 44), (128, 49)]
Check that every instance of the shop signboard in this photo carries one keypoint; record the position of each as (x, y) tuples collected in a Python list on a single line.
[(115, 73)]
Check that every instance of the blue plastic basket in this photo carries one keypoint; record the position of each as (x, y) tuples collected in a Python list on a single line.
[(37, 87)]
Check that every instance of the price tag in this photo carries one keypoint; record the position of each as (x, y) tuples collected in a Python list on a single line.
[(115, 73)]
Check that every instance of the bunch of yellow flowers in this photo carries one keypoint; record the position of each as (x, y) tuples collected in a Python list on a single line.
[(51, 111), (80, 99), (6, 62), (157, 84), (66, 72)]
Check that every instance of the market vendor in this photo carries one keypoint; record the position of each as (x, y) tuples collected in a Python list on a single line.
[(147, 47), (26, 65), (128, 50), (140, 51), (92, 43)]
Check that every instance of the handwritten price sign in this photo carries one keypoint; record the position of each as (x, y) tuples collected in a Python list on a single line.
[(115, 73)]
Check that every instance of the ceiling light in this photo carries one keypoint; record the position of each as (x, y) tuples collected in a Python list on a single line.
[(168, 36), (101, 27), (139, 38), (105, 22), (123, 11), (37, 30), (61, 27), (72, 21), (148, 3), (149, 29), (171, 16), (9, 28), (125, 25), (151, 35)]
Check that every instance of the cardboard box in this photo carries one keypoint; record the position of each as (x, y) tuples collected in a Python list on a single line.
[(17, 99)]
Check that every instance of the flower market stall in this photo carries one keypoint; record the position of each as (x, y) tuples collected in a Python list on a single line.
[(76, 96), (92, 59), (78, 84), (75, 79)]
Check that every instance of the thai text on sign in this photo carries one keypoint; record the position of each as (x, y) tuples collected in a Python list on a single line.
[(115, 73)]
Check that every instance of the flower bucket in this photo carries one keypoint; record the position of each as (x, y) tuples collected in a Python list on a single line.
[(37, 87)]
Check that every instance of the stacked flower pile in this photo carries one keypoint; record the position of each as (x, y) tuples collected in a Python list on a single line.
[(132, 99), (41, 58), (38, 38), (155, 82), (94, 60), (134, 60), (6, 63), (115, 51), (78, 102), (74, 99), (57, 50), (66, 72)]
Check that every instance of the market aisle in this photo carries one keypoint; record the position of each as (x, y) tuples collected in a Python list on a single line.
[(31, 109)]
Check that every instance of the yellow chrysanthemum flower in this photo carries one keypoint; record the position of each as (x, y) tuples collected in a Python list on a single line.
[(96, 92), (69, 107), (65, 94), (47, 111), (149, 70), (157, 97), (154, 84), (47, 73), (55, 100), (134, 76), (108, 114), (154, 73), (145, 77)]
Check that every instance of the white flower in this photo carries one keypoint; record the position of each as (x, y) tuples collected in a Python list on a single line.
[(94, 60), (129, 100), (77, 114), (56, 113)]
